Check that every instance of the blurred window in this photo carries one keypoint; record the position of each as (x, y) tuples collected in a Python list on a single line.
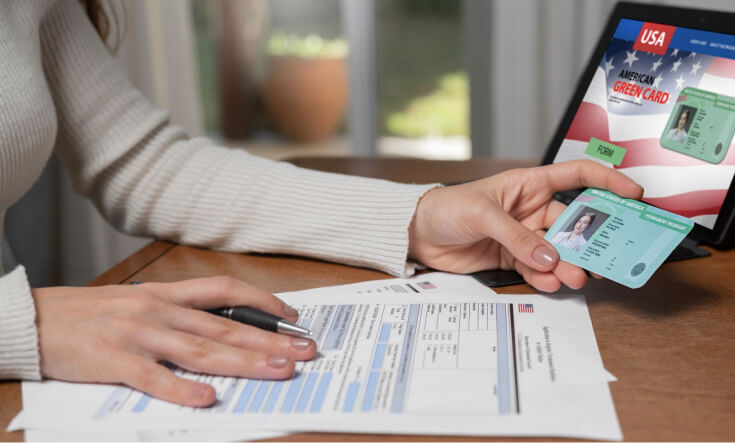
[(423, 100), (273, 70)]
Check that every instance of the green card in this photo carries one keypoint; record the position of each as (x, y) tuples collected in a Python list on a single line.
[(701, 125), (621, 239)]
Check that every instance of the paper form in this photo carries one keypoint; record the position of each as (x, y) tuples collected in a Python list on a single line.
[(440, 354), (181, 435)]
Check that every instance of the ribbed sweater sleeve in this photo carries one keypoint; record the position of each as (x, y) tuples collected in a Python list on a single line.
[(148, 178), (19, 356)]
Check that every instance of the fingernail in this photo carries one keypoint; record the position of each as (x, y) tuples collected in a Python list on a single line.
[(277, 362), (300, 343), (544, 255), (290, 311), (201, 392)]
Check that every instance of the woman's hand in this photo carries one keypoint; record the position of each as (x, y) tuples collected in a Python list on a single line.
[(498, 222), (118, 334)]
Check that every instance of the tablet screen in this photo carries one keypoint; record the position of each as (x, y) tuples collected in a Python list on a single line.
[(661, 109)]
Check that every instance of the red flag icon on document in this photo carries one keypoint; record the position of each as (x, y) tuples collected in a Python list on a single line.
[(526, 308)]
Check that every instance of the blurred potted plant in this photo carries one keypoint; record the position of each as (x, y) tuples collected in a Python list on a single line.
[(444, 112), (305, 87)]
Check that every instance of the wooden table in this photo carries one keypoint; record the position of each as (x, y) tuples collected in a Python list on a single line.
[(671, 343)]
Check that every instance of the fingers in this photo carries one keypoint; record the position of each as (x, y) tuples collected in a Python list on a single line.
[(570, 275), (524, 244), (200, 354), (585, 173), (565, 273), (152, 378), (217, 292), (543, 281), (553, 212), (232, 333)]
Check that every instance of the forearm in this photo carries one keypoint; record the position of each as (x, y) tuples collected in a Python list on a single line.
[(194, 193), (19, 358)]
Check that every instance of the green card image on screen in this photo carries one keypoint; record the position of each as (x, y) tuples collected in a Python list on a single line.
[(701, 125), (621, 239)]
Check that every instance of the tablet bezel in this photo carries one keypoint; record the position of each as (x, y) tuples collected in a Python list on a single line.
[(705, 20)]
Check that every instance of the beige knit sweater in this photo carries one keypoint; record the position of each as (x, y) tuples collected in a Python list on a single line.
[(60, 90)]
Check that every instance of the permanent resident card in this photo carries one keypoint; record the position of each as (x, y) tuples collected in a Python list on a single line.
[(701, 125), (621, 239)]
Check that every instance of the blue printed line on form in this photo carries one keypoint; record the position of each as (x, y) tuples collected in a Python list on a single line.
[(379, 355), (142, 403), (406, 356), (260, 396), (370, 390), (293, 391), (321, 393), (337, 331), (270, 404), (247, 391), (351, 396), (306, 392), (504, 357), (384, 333)]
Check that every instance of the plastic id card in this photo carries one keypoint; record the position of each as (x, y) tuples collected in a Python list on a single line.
[(701, 125), (621, 239)]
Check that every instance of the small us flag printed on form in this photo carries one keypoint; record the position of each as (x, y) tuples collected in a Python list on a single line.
[(528, 308)]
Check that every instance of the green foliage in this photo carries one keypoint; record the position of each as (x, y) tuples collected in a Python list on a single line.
[(311, 46), (443, 112)]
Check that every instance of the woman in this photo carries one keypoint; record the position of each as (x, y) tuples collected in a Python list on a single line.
[(574, 239), (63, 92), (678, 134)]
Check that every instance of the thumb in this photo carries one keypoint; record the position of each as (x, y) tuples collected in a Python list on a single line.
[(524, 244)]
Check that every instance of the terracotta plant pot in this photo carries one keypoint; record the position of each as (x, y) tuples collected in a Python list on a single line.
[(304, 97)]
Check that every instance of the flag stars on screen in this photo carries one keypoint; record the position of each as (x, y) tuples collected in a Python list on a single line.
[(609, 66), (675, 66), (657, 81), (656, 64), (680, 82), (695, 68), (630, 58)]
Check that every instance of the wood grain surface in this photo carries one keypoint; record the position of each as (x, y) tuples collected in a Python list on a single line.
[(671, 343)]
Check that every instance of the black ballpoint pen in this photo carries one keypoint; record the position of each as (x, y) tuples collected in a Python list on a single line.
[(261, 319), (256, 317)]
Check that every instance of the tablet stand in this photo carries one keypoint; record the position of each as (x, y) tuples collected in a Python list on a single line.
[(688, 248)]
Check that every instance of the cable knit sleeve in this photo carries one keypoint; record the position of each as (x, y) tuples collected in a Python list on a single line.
[(19, 358), (148, 178)]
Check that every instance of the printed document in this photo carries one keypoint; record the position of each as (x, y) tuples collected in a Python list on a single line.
[(436, 354)]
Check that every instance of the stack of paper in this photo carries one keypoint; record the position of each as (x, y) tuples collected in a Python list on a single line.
[(439, 354)]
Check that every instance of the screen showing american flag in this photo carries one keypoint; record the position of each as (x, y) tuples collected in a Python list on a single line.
[(628, 104)]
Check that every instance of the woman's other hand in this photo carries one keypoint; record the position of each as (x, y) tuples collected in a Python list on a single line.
[(498, 222), (118, 334)]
